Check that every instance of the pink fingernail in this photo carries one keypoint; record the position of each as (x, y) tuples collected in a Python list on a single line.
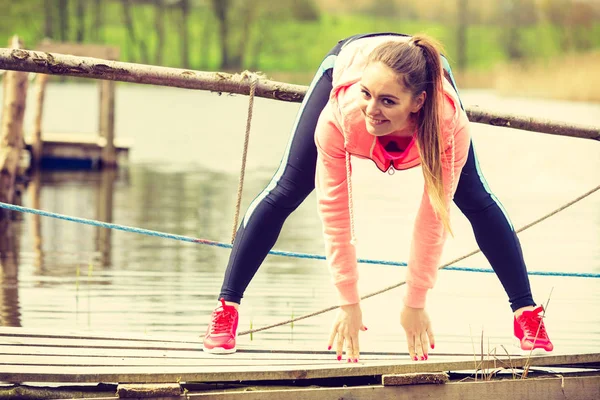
[(416, 359), (433, 346), (356, 360), (328, 347), (339, 358), (366, 329), (349, 360), (421, 358), (426, 357)]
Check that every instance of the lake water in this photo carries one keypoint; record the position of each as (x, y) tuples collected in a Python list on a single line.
[(182, 179)]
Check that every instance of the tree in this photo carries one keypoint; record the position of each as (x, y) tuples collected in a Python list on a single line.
[(238, 18), (48, 19), (184, 33), (63, 19), (80, 20), (133, 39), (98, 20), (461, 36), (159, 24)]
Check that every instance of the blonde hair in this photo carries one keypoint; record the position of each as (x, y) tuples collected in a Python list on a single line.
[(418, 61)]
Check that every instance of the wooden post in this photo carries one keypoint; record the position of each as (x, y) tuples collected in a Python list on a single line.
[(107, 123), (11, 131), (36, 139), (104, 213), (34, 188)]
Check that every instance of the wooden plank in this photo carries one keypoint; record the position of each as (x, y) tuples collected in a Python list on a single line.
[(114, 345), (222, 362), (78, 49), (33, 332), (149, 390), (81, 139), (415, 379), (104, 344), (551, 388), (28, 337), (22, 373), (180, 354)]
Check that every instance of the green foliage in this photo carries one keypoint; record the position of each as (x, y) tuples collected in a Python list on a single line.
[(293, 36)]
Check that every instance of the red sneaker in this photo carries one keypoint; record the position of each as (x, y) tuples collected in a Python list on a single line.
[(222, 331), (531, 332)]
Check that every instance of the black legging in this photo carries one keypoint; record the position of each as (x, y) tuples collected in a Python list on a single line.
[(295, 180)]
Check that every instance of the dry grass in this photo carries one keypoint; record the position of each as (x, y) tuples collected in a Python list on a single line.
[(572, 77)]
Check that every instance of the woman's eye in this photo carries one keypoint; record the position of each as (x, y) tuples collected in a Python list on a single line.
[(365, 93), (388, 102)]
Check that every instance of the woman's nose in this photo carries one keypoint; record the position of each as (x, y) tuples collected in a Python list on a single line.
[(372, 107)]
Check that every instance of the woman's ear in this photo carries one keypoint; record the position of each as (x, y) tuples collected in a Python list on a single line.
[(418, 101)]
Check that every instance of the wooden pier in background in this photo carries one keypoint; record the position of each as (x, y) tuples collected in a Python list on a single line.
[(123, 365), (78, 149)]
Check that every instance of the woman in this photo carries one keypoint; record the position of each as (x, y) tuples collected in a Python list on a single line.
[(385, 97)]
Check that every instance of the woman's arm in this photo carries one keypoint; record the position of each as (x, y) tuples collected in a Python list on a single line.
[(332, 197), (429, 235)]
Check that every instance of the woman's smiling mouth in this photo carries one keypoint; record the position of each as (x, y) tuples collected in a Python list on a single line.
[(374, 121)]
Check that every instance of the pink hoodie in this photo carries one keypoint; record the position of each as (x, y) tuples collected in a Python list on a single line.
[(340, 132)]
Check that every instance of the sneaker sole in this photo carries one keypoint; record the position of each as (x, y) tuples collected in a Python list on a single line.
[(219, 350), (535, 352)]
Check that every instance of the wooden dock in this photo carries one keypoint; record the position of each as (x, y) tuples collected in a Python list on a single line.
[(78, 150), (126, 364)]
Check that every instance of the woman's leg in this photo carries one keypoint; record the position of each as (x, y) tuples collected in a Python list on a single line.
[(498, 241), (291, 184), (494, 232)]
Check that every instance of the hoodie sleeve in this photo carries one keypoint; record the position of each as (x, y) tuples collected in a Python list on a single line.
[(429, 235), (332, 198)]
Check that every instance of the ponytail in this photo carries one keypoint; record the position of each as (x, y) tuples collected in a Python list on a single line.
[(419, 63), (429, 135)]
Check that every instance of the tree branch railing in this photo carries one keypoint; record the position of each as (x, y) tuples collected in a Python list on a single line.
[(95, 68)]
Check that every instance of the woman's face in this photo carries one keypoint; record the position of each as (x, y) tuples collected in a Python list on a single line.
[(385, 102)]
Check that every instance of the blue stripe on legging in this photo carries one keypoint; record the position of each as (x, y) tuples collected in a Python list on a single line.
[(487, 188), (325, 65)]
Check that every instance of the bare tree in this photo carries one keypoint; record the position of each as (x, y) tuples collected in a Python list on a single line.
[(159, 23), (133, 39), (81, 7), (98, 20), (220, 8), (49, 18), (461, 37), (63, 19), (184, 34)]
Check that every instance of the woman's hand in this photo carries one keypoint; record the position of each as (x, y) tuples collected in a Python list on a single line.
[(345, 330), (419, 334)]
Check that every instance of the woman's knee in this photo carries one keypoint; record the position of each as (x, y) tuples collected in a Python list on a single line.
[(288, 194), (473, 199)]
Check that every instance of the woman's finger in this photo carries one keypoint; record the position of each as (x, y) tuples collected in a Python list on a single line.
[(410, 341), (424, 344), (332, 336), (419, 347), (431, 337), (339, 345), (355, 348), (349, 351)]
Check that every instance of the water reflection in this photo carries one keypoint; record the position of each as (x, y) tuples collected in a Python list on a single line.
[(73, 276), (10, 314)]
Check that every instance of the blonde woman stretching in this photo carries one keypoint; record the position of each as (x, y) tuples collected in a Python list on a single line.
[(389, 98)]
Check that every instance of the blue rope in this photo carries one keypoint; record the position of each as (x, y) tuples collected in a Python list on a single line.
[(273, 252)]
